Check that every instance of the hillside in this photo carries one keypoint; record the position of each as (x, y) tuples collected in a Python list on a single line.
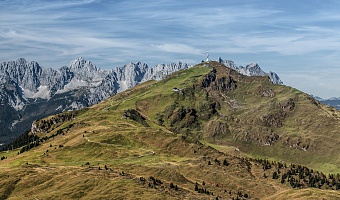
[(251, 114), (207, 132)]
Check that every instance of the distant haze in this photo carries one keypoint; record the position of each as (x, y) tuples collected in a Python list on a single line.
[(299, 40)]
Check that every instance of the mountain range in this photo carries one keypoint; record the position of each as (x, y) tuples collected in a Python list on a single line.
[(29, 91), (207, 132), (333, 101)]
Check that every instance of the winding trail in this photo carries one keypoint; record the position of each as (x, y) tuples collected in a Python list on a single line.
[(150, 152)]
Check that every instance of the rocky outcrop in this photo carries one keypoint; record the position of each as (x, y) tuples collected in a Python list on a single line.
[(42, 126), (278, 114), (135, 116), (216, 129), (208, 79), (225, 84), (222, 84), (273, 119)]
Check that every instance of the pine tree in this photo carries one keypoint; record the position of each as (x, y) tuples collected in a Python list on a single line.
[(196, 187), (225, 162), (275, 176), (282, 180)]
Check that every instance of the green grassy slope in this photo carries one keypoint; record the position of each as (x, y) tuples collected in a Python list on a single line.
[(142, 143), (260, 118)]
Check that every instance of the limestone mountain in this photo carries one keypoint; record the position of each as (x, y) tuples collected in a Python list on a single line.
[(208, 132), (29, 91)]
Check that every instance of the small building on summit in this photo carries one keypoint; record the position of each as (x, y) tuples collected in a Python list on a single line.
[(176, 89)]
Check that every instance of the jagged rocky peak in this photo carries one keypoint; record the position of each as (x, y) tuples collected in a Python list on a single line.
[(130, 71), (275, 78), (253, 69), (84, 70), (21, 62), (228, 63), (138, 67), (161, 70), (82, 64), (26, 68), (25, 74), (129, 75)]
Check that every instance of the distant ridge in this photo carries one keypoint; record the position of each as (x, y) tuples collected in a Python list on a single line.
[(333, 101)]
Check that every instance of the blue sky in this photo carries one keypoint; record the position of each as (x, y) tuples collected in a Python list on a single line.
[(299, 40)]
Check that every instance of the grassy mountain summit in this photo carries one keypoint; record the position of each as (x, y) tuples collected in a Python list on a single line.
[(207, 132)]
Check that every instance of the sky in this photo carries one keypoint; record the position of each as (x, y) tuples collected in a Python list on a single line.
[(299, 40)]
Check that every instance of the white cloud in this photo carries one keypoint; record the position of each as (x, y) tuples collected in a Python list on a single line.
[(178, 48), (33, 6), (322, 82)]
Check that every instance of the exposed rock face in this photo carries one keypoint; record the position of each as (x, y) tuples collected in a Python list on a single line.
[(225, 83), (208, 79), (135, 116), (160, 71), (216, 129), (130, 75), (222, 84), (277, 116), (42, 126), (252, 69)]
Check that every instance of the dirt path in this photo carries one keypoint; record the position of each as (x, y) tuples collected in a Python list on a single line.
[(150, 152)]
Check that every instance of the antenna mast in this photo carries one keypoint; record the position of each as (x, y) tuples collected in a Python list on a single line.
[(207, 53)]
